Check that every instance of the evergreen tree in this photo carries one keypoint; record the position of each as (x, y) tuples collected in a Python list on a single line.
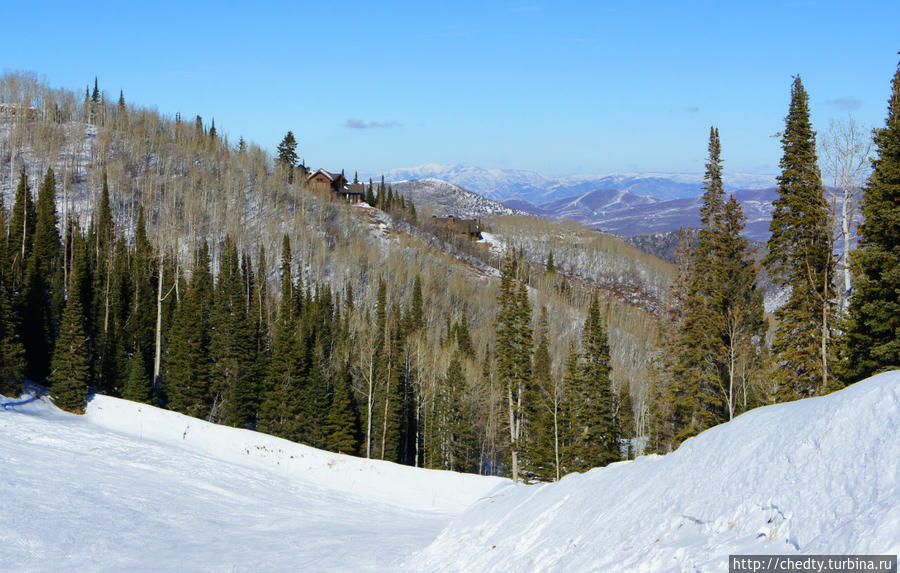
[(542, 410), (232, 348), (694, 399), (20, 240), (287, 155), (595, 430), (121, 100), (342, 422), (280, 406), (103, 290), (187, 356), (800, 258), (514, 347), (71, 359), (370, 194), (95, 95), (459, 447), (12, 353), (137, 383), (551, 266), (41, 268), (872, 340)]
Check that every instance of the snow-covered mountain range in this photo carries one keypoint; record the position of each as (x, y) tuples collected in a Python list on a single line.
[(505, 184)]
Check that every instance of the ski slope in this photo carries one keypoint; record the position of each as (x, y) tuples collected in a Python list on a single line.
[(129, 487), (818, 476)]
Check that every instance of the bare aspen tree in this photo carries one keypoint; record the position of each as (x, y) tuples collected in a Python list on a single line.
[(846, 147)]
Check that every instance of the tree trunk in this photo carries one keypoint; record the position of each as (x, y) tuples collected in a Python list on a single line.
[(159, 301)]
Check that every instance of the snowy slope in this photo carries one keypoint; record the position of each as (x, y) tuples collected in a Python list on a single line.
[(819, 476), (129, 487)]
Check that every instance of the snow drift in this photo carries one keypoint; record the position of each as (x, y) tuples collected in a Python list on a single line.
[(129, 487), (819, 476)]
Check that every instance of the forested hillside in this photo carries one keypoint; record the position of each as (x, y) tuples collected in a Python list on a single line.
[(170, 265)]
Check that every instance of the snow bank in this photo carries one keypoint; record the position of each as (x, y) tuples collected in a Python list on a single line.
[(372, 480), (819, 476), (134, 488)]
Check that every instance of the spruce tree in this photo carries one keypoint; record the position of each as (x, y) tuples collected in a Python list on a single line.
[(20, 240), (595, 430), (872, 340), (800, 259), (187, 357), (137, 382), (287, 155), (542, 411), (280, 405), (342, 422), (42, 267), (459, 449), (232, 348), (514, 348), (12, 353), (71, 359)]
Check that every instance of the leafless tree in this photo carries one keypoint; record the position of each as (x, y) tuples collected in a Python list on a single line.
[(845, 150)]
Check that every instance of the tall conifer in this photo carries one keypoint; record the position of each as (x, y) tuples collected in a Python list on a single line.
[(872, 340), (800, 259)]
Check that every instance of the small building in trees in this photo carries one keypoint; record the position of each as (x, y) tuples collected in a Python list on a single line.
[(470, 227), (28, 112), (337, 184)]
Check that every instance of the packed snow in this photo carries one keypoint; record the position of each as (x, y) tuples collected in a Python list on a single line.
[(132, 487), (819, 476)]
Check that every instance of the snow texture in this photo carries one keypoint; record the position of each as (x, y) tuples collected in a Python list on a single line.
[(130, 487), (819, 476)]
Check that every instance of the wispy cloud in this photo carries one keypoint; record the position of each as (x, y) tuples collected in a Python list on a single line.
[(360, 124), (691, 108), (845, 103)]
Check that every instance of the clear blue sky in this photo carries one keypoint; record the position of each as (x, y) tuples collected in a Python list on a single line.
[(556, 87)]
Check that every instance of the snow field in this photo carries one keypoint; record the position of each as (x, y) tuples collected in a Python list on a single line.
[(819, 476), (129, 487)]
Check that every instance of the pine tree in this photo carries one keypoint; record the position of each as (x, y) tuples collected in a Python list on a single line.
[(20, 240), (187, 356), (459, 448), (370, 195), (542, 411), (137, 383), (342, 422), (71, 360), (121, 100), (872, 340), (287, 155), (232, 347), (279, 409), (95, 95), (694, 397), (514, 347), (595, 430), (800, 258), (12, 353), (41, 269)]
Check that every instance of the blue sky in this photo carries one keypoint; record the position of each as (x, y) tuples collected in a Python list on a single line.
[(556, 87)]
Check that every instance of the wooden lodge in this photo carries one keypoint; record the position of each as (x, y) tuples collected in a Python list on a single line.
[(337, 184)]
